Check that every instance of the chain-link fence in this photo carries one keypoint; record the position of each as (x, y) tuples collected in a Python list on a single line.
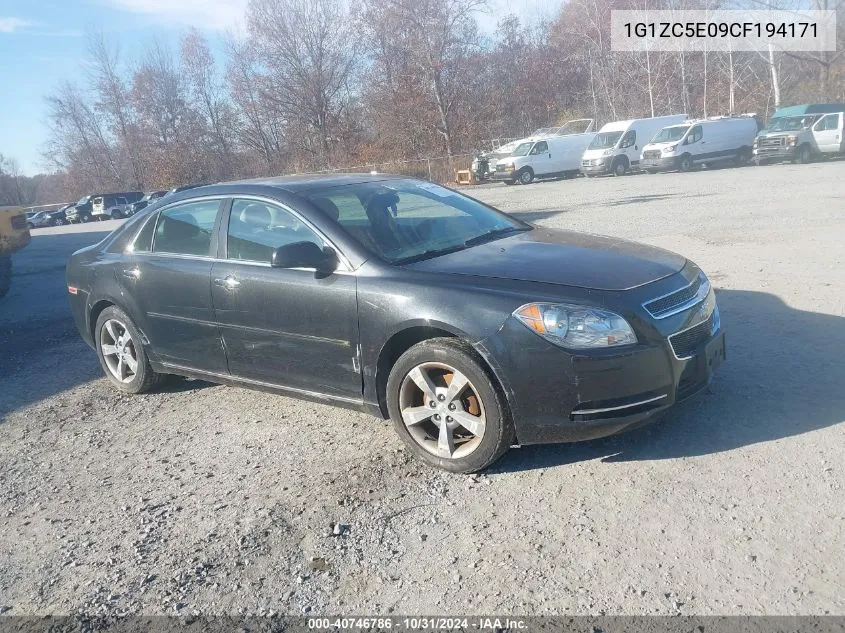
[(441, 169)]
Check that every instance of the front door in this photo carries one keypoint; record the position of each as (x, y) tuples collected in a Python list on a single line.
[(170, 276), (631, 147), (293, 328), (827, 132), (541, 158)]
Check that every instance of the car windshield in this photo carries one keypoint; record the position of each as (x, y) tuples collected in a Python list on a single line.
[(788, 123), (577, 126), (407, 220), (522, 149), (605, 140), (669, 134)]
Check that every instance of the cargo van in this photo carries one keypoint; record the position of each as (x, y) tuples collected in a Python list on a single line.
[(617, 147), (703, 141), (802, 133), (543, 157)]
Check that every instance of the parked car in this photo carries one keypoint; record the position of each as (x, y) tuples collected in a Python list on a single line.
[(469, 328), (148, 199), (81, 212), (59, 216), (802, 133), (543, 157), (617, 148), (14, 235), (38, 219), (113, 206), (484, 163), (704, 141)]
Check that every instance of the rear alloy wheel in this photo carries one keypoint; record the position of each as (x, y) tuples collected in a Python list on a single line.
[(525, 176), (121, 353), (58, 222), (445, 407)]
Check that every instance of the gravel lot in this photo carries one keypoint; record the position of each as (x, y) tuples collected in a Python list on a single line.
[(223, 500)]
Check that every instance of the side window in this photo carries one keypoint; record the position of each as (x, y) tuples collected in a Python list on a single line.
[(540, 148), (695, 135), (186, 229), (629, 139), (144, 240), (256, 229), (828, 122)]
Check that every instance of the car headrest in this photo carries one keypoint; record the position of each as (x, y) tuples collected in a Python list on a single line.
[(328, 207), (256, 214), (181, 227)]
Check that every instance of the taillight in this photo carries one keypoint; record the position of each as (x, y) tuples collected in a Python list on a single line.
[(19, 222)]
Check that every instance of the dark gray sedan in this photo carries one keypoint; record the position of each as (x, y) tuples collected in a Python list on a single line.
[(469, 328)]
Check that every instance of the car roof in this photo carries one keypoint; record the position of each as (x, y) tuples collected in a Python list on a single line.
[(292, 184)]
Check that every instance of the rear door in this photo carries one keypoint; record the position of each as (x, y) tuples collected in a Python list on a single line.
[(827, 132), (293, 328), (170, 279)]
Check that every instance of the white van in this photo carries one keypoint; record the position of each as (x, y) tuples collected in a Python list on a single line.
[(705, 141), (617, 147), (543, 157)]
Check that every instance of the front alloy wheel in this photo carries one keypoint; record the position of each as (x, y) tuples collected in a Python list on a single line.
[(442, 410), (446, 408)]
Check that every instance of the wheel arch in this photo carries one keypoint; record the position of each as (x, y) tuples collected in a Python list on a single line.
[(408, 336)]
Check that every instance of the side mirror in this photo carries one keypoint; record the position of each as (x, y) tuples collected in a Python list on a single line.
[(304, 255)]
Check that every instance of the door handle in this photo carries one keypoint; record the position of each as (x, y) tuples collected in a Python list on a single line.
[(229, 283), (131, 273)]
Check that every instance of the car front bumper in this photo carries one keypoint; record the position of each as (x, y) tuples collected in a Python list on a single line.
[(503, 175), (664, 163), (560, 396), (775, 153), (596, 167)]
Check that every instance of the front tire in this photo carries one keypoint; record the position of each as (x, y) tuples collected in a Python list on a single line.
[(685, 164), (620, 167), (805, 154), (446, 408), (525, 176), (121, 353)]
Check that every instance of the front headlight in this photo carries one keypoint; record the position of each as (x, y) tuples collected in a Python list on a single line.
[(790, 140), (576, 327), (671, 149), (608, 152)]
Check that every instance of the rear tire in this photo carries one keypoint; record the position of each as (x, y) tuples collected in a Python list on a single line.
[(446, 442), (118, 347), (5, 274)]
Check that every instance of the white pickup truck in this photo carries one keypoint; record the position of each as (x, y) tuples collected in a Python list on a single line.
[(801, 138)]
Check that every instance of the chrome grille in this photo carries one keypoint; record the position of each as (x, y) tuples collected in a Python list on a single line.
[(651, 153), (676, 301), (685, 343), (771, 141)]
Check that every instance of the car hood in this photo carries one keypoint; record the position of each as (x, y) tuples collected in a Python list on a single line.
[(561, 257)]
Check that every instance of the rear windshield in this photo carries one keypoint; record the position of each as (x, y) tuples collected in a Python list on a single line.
[(668, 134)]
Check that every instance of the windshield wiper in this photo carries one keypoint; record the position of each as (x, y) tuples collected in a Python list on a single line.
[(495, 234), (432, 252)]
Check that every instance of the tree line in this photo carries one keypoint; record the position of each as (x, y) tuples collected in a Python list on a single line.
[(329, 84)]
